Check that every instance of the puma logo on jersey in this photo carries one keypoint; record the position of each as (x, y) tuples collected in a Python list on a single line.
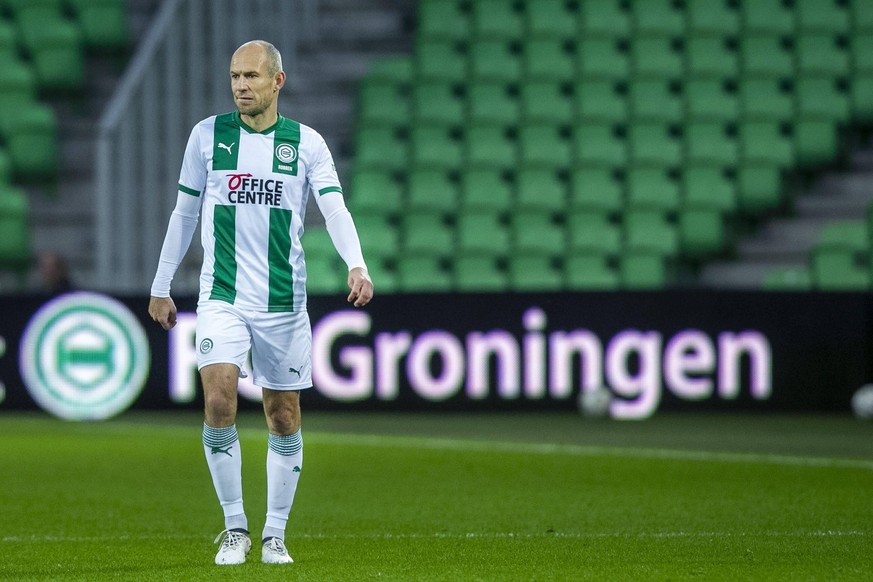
[(227, 147), (295, 370)]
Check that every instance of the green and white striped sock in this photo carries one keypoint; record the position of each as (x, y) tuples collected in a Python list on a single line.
[(284, 463), (224, 458)]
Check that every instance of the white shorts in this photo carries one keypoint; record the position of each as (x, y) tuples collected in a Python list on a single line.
[(280, 343)]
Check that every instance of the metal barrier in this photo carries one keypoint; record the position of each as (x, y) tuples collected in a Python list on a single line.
[(177, 77)]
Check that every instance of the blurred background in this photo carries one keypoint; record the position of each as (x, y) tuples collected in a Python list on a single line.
[(626, 150)]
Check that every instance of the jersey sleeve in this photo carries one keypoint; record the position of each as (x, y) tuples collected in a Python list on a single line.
[(183, 220), (192, 177), (321, 174)]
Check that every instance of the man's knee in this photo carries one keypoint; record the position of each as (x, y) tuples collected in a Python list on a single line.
[(282, 410), (219, 394)]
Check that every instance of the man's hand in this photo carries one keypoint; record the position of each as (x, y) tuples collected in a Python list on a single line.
[(361, 286), (163, 310)]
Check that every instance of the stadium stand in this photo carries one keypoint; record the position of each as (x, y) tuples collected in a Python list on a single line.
[(633, 139)]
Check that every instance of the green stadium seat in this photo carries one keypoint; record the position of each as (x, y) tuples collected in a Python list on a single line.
[(602, 58), (831, 16), (547, 59), (767, 16), (701, 232), (766, 98), (32, 141), (765, 142), (861, 49), (821, 54), (658, 17), (6, 171), (379, 236), (383, 103), (836, 269), (55, 49), (19, 85), (103, 23), (600, 100), (435, 146), (318, 245), (589, 272), (482, 233), (426, 235), (708, 142), (397, 69), (706, 186), (492, 102), (494, 60), (604, 18), (861, 97), (861, 16), (643, 270), (375, 192), (599, 144), (432, 190), (497, 19), (593, 233), (533, 231), (658, 56), (15, 255), (325, 277), (439, 60), (541, 189), (489, 146), (652, 188), (547, 102), (849, 235), (654, 143), (479, 273), (787, 279), (442, 19), (766, 55), (544, 145), (861, 90), (551, 19), (8, 41), (650, 231), (485, 189), (711, 100), (596, 190), (417, 274), (816, 141), (380, 148), (716, 17), (437, 103), (759, 188), (711, 57), (655, 100), (534, 272)]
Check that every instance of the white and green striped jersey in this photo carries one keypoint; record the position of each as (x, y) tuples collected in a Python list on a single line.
[(253, 188)]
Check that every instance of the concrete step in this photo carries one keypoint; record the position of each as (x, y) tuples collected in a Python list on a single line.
[(742, 275)]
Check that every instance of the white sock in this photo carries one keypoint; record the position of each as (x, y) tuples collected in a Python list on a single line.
[(284, 462), (224, 458)]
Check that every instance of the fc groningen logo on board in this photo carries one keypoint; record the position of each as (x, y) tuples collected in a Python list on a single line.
[(84, 356)]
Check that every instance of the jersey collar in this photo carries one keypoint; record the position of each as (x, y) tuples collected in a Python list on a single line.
[(238, 119)]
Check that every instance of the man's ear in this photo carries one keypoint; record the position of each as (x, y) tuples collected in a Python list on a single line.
[(279, 80)]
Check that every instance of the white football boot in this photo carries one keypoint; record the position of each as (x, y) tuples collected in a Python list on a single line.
[(234, 547), (274, 552)]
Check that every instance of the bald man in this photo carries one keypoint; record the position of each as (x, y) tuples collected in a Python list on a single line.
[(249, 174)]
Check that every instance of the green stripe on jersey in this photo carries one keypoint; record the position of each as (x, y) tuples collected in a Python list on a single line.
[(278, 257), (225, 142), (286, 146), (224, 269), (324, 191), (187, 190)]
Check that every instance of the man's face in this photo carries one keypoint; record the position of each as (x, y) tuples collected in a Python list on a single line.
[(254, 89)]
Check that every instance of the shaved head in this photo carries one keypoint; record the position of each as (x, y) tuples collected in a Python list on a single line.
[(274, 57)]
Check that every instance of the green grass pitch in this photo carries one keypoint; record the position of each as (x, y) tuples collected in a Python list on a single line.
[(450, 497)]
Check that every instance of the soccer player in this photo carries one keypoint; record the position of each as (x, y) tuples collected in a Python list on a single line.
[(250, 173)]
